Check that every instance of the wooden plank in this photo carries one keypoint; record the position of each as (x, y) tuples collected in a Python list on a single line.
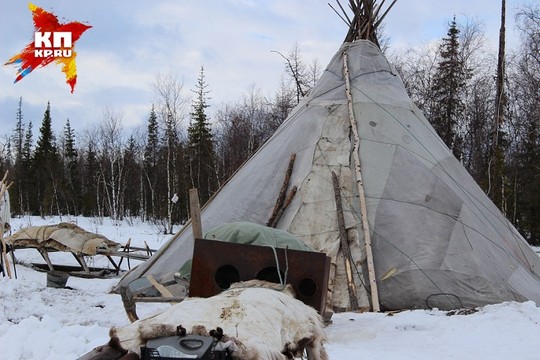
[(129, 255), (195, 210), (157, 299), (162, 289)]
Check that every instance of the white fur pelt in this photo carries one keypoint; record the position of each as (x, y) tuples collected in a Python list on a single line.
[(266, 324)]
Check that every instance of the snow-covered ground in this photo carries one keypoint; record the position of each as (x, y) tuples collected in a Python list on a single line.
[(38, 322)]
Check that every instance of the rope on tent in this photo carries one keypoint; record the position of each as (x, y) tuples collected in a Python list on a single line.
[(447, 295), (360, 185), (282, 280)]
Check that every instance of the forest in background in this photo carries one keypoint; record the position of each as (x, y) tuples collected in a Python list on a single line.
[(146, 172)]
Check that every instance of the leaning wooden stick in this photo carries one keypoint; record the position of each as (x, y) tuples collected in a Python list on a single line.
[(351, 286), (283, 192), (284, 207), (125, 250)]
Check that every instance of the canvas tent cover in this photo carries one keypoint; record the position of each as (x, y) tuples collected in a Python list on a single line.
[(437, 239), (62, 237)]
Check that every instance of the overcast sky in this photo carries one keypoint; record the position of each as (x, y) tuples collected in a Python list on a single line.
[(132, 41)]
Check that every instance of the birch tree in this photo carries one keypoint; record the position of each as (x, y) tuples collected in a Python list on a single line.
[(170, 108), (112, 160)]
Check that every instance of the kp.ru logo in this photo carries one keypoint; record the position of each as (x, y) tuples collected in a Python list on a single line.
[(52, 42), (59, 47)]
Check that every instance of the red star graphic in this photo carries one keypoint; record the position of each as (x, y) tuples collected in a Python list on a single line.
[(47, 22)]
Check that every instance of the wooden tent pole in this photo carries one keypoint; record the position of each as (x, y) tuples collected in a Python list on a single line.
[(195, 211), (360, 185)]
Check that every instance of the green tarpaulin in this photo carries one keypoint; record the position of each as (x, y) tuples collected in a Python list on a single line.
[(247, 233)]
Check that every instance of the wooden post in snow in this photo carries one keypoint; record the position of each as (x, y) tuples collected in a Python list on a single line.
[(195, 211), (360, 185), (3, 188)]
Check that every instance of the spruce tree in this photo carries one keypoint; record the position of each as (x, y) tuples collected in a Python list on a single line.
[(200, 144), (28, 144), (27, 181), (45, 167), (152, 140), (18, 136), (71, 169), (46, 147), (90, 181), (19, 172), (131, 187), (151, 158), (70, 149), (449, 83)]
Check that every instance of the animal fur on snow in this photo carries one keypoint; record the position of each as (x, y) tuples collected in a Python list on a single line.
[(265, 324)]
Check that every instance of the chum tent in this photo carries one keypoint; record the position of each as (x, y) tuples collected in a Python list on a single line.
[(436, 239)]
